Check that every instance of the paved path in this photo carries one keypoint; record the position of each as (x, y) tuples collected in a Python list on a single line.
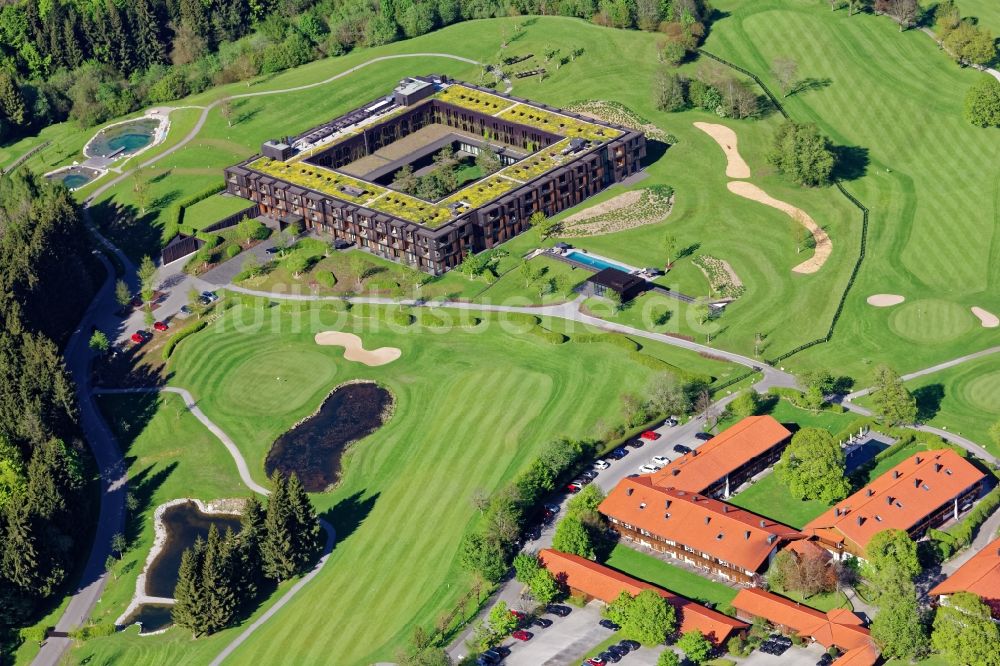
[(931, 370), (102, 443), (989, 70)]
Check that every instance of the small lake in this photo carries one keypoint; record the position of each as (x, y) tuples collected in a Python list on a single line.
[(184, 523), (152, 618), (124, 139), (74, 177), (313, 448)]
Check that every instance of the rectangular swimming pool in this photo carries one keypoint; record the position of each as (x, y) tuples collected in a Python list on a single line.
[(594, 262)]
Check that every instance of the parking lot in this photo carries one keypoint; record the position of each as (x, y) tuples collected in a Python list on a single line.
[(795, 656), (568, 638)]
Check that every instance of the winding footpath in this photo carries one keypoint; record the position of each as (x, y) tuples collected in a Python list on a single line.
[(106, 452)]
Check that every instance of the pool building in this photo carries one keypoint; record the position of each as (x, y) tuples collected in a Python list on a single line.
[(341, 178)]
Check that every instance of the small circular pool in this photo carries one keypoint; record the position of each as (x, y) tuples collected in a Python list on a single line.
[(74, 177), (123, 139)]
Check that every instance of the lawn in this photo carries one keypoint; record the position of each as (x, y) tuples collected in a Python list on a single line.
[(769, 497), (472, 408), (211, 210), (964, 399), (786, 412), (824, 602), (169, 455), (681, 581), (871, 84), (553, 282)]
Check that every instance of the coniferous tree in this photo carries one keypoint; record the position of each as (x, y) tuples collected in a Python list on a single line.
[(277, 551), (249, 542), (217, 581), (305, 527), (20, 561), (189, 596)]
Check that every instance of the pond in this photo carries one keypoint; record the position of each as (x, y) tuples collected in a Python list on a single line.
[(123, 139), (184, 523), (151, 618), (74, 177), (313, 448)]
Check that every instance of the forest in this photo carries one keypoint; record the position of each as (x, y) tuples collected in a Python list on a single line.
[(46, 281), (91, 60)]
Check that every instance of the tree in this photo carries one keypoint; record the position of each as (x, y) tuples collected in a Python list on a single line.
[(544, 586), (964, 631), (140, 189), (802, 154), (668, 658), (306, 530), (572, 536), (898, 628), (670, 248), (785, 71), (501, 620), (99, 342), (892, 560), (487, 160), (297, 263), (546, 227), (189, 599), (666, 396), (746, 403), (147, 275), (278, 549), (982, 103), (123, 295), (695, 646), (809, 574), (526, 566), (893, 402), (119, 544), (669, 91), (812, 466), (110, 564), (650, 619), (217, 578), (226, 110), (148, 318), (485, 555)]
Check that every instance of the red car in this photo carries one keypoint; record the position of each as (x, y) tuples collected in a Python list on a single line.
[(516, 613), (650, 435), (138, 337), (522, 635), (160, 325), (574, 488)]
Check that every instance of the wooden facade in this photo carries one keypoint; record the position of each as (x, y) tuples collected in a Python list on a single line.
[(436, 250)]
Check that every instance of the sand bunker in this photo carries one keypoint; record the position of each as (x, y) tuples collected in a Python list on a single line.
[(885, 300), (823, 246), (726, 138), (986, 318), (354, 350)]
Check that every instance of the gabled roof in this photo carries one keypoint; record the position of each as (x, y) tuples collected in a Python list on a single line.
[(733, 447), (980, 576), (837, 627), (724, 531), (899, 499), (606, 584), (806, 548)]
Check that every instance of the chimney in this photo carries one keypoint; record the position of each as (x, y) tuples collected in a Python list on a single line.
[(896, 474), (836, 511), (694, 452), (746, 535), (725, 508), (771, 538), (718, 537), (665, 516), (675, 471), (888, 499), (628, 491), (642, 505), (869, 492)]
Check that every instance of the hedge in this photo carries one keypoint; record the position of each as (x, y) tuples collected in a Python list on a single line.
[(545, 334), (293, 307), (177, 210), (232, 251), (963, 531), (325, 278), (519, 318), (616, 339), (168, 349)]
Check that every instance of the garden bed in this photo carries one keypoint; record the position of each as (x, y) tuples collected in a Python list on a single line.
[(626, 211)]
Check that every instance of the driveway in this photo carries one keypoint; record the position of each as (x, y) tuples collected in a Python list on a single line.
[(224, 273)]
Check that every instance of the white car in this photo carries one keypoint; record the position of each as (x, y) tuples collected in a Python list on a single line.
[(602, 464), (649, 469), (671, 422), (659, 460)]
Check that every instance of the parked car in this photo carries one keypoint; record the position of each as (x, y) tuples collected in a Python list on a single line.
[(594, 661), (341, 244), (574, 488), (522, 635), (621, 649), (184, 312), (704, 436), (649, 469), (589, 474), (491, 656), (272, 250), (781, 640), (619, 453), (632, 645), (557, 609), (534, 533), (659, 460), (542, 622), (138, 337), (552, 506), (825, 660), (602, 464), (210, 296), (680, 448), (671, 422), (581, 481), (610, 656), (548, 515), (518, 614), (650, 435), (160, 325), (636, 443), (608, 624)]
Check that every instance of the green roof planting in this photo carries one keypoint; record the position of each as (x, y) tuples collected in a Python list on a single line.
[(476, 100), (557, 123)]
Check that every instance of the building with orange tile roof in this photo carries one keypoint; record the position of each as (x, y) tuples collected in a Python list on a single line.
[(597, 581), (727, 540), (980, 576), (923, 491), (838, 628), (721, 465)]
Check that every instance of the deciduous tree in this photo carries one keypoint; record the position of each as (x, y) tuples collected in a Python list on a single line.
[(695, 646), (501, 620), (893, 402), (802, 154), (964, 631), (982, 103), (898, 627), (786, 72), (812, 466), (572, 536)]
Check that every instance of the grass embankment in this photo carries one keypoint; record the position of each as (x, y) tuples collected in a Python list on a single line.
[(472, 408), (656, 571)]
